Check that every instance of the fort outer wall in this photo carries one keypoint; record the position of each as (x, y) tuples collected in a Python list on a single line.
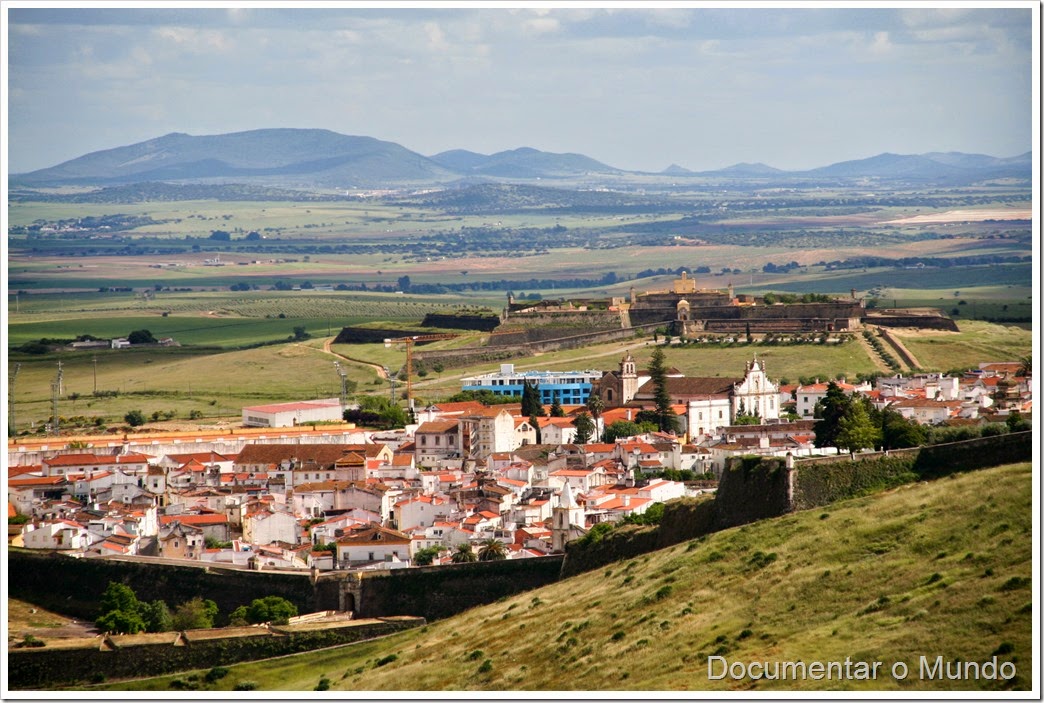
[(468, 357), (74, 586), (667, 311)]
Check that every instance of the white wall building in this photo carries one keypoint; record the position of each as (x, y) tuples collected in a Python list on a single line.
[(292, 414)]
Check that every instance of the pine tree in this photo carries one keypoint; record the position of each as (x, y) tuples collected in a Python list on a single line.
[(855, 429), (531, 405), (666, 419), (830, 410)]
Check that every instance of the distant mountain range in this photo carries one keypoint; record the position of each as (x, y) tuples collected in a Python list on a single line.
[(326, 159)]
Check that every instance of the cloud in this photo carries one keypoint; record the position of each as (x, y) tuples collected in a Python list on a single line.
[(881, 44), (922, 16)]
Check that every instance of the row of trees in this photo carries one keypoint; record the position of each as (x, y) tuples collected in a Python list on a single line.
[(489, 550), (122, 612)]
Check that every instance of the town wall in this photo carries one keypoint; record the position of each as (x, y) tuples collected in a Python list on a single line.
[(437, 592), (134, 656), (752, 488), (74, 586), (756, 488)]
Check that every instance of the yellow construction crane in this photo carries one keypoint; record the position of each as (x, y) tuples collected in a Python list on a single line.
[(409, 342)]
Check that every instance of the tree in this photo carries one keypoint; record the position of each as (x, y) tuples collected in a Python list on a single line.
[(404, 283), (745, 418), (1017, 423), (134, 418), (899, 433), (595, 405), (585, 428), (426, 556), (300, 334), (623, 428), (120, 610), (273, 609), (666, 419), (141, 337), (556, 409), (117, 596), (855, 429), (830, 410), (121, 622), (196, 614), (157, 616), (535, 424), (463, 554), (492, 550), (531, 404), (377, 411), (220, 235)]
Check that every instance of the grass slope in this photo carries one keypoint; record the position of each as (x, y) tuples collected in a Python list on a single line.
[(937, 569)]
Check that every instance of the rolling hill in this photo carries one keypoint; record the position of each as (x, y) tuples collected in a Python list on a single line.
[(939, 569), (319, 158)]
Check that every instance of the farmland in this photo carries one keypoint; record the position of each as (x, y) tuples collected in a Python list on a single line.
[(249, 288)]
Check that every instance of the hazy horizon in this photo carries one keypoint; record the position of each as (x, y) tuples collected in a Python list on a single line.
[(638, 89)]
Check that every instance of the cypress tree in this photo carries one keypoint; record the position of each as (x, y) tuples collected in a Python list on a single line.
[(665, 416)]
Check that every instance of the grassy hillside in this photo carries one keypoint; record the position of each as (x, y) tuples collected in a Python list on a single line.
[(939, 569)]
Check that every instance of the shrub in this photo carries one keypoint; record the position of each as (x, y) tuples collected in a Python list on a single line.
[(323, 685), (486, 667), (215, 674), (386, 660), (245, 686)]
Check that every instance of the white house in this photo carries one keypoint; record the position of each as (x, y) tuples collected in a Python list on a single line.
[(556, 430), (422, 511), (373, 543), (267, 526), (57, 534), (488, 431)]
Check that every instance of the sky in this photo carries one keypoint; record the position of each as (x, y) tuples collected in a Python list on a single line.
[(637, 88)]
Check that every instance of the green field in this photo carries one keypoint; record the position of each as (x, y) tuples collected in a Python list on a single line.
[(930, 569), (217, 383), (981, 341)]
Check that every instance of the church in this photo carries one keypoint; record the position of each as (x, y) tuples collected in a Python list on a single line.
[(710, 402)]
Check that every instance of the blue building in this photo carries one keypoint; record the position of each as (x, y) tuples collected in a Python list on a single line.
[(567, 387)]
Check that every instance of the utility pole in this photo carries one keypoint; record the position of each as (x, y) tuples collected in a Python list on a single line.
[(56, 390), (96, 374), (11, 424), (344, 385)]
